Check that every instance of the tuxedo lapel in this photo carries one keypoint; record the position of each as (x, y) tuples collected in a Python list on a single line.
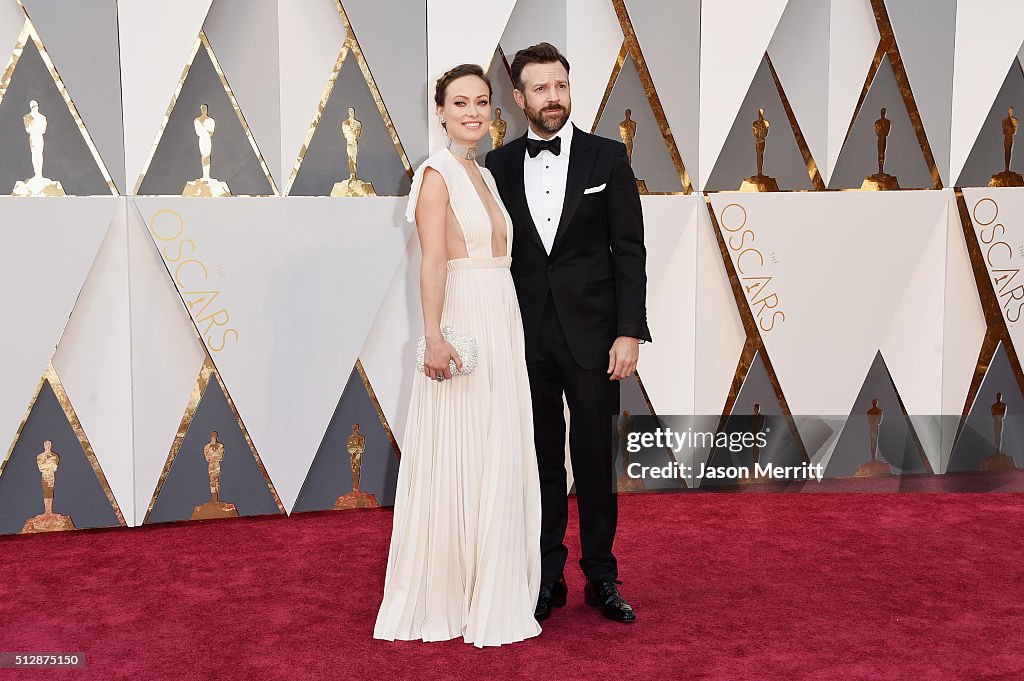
[(581, 158), (519, 208)]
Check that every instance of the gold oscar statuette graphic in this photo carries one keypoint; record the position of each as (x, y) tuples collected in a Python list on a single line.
[(627, 131), (498, 129), (356, 445), (213, 452), (352, 129), (37, 185), (881, 181), (756, 426), (1007, 178), (760, 182), (205, 126), (48, 521), (998, 461), (625, 482), (873, 466)]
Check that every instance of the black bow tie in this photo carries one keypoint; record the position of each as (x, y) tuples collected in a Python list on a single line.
[(535, 146)]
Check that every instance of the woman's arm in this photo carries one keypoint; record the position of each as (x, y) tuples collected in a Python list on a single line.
[(431, 212)]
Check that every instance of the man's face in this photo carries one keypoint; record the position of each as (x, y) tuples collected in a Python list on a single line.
[(545, 96)]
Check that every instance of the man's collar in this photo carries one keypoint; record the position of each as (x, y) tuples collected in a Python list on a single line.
[(565, 133)]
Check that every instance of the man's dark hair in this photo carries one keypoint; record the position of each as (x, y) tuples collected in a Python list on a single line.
[(542, 53)]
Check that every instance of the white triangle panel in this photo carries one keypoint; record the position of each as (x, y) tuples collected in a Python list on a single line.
[(998, 222), (853, 40), (666, 365), (730, 52), (838, 283), (93, 362), (284, 316), (669, 35), (592, 43), (799, 53), (243, 35), (720, 332), (44, 269), (166, 355), (912, 345), (989, 35), (156, 40), (387, 355), (532, 22), (310, 40), (451, 44)]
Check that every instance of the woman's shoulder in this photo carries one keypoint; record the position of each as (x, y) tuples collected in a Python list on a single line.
[(440, 161)]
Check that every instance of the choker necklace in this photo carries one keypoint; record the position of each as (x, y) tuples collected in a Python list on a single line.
[(459, 151)]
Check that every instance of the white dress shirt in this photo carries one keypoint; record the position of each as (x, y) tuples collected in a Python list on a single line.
[(544, 181)]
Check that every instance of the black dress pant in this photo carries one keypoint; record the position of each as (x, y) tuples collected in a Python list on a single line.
[(593, 405)]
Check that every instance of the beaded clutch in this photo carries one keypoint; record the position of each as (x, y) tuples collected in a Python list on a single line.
[(465, 346)]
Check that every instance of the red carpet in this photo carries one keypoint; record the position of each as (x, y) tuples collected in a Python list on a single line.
[(726, 586)]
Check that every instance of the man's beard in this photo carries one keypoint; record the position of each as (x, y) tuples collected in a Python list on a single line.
[(549, 123)]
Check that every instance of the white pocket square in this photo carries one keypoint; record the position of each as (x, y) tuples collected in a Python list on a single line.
[(594, 190)]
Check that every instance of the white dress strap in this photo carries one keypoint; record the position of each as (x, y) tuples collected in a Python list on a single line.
[(417, 182)]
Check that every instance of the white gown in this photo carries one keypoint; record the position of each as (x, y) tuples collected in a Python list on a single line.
[(465, 546)]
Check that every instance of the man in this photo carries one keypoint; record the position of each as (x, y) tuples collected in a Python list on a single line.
[(578, 262)]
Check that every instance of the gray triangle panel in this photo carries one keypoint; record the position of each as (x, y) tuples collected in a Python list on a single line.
[(903, 156), (502, 98), (77, 491), (652, 162), (896, 443), (987, 156), (188, 481), (782, 157), (391, 43), (330, 475), (977, 439), (81, 39), (66, 156), (781, 448), (326, 159), (177, 159)]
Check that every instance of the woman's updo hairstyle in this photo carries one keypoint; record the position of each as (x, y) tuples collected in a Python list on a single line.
[(441, 89)]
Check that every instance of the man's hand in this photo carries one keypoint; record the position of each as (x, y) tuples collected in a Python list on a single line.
[(622, 358)]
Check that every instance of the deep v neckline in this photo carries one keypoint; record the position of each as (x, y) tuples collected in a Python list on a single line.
[(483, 204)]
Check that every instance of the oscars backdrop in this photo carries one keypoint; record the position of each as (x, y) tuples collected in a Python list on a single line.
[(212, 296)]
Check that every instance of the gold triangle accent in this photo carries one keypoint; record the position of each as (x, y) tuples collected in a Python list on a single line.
[(376, 405), (801, 141), (204, 43), (351, 44), (631, 47), (754, 343), (50, 376), (207, 373), (28, 32), (997, 331), (887, 47)]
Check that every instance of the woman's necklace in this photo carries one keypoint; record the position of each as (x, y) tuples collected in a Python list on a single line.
[(459, 151)]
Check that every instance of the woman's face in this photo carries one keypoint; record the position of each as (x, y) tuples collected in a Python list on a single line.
[(466, 110)]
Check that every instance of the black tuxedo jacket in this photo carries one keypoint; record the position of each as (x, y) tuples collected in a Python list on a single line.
[(596, 270)]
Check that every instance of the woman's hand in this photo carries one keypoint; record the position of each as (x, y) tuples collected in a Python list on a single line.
[(437, 359)]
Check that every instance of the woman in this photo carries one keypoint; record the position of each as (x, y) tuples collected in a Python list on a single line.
[(465, 547)]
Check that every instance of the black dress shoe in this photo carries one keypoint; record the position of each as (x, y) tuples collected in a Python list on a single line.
[(552, 595), (604, 594)]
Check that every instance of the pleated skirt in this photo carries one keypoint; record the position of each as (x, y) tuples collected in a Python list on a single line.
[(465, 545)]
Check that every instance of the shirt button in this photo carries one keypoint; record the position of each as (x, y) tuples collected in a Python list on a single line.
[(551, 268), (549, 219), (548, 191)]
